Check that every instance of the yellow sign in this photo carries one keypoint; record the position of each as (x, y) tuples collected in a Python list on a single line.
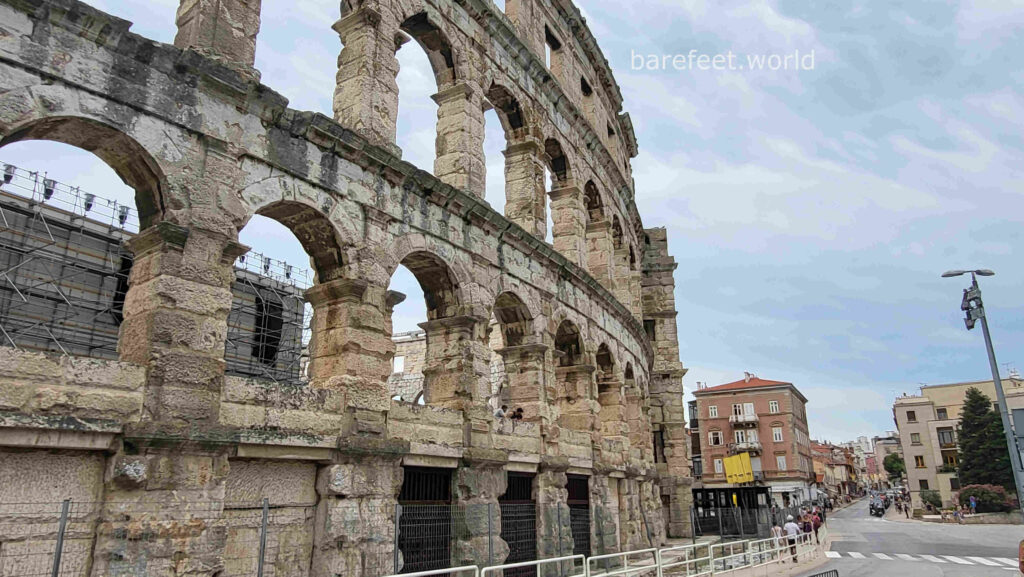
[(738, 469)]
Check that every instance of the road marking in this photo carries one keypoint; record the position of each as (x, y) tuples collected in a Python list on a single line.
[(856, 555), (1010, 562), (882, 556), (957, 560), (833, 554), (906, 557), (932, 558), (983, 561)]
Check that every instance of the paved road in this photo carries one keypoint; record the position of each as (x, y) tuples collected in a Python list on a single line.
[(864, 546)]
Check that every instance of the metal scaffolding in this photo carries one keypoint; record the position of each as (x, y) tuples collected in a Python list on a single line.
[(64, 272)]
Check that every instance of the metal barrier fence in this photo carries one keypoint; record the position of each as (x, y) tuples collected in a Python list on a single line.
[(738, 522), (267, 539)]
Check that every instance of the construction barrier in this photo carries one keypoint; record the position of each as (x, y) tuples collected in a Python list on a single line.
[(647, 565)]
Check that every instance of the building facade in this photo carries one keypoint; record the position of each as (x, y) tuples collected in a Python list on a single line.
[(768, 420), (886, 445), (927, 426), (171, 456)]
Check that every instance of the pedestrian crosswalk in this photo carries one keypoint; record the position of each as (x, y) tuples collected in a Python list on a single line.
[(1002, 562)]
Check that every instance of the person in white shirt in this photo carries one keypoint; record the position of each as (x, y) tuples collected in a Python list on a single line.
[(792, 532)]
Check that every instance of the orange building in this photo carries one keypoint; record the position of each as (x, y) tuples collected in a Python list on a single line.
[(768, 420)]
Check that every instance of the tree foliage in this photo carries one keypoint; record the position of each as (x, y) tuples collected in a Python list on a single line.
[(983, 457), (989, 498), (895, 466), (931, 497)]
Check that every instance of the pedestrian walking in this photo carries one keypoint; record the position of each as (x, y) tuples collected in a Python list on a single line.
[(974, 505), (792, 533), (816, 523), (906, 510)]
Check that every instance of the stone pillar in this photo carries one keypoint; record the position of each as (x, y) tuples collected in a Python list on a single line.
[(554, 532), (224, 30), (524, 186), (613, 411), (577, 407), (366, 90), (604, 492), (460, 139), (568, 215), (599, 252), (160, 510), (179, 340), (479, 481), (351, 348), (524, 369), (621, 277), (355, 517), (456, 373)]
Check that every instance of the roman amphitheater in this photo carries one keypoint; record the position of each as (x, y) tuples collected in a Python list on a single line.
[(161, 459)]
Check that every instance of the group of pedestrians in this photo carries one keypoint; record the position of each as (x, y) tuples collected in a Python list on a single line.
[(809, 521), (503, 413)]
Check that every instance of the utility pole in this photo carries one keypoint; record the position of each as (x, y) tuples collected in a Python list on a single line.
[(975, 310)]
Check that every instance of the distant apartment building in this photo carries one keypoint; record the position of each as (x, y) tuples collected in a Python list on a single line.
[(883, 447), (766, 419), (836, 470), (927, 426)]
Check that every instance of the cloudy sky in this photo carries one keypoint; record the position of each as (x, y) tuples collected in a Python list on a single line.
[(811, 211)]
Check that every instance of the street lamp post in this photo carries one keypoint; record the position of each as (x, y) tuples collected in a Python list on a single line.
[(975, 310)]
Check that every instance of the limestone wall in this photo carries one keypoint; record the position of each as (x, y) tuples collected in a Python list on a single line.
[(177, 457)]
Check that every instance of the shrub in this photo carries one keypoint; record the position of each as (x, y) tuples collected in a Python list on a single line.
[(990, 498), (932, 498)]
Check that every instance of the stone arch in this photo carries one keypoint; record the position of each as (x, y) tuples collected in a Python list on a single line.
[(122, 153), (605, 361), (558, 162), (514, 319), (315, 232), (569, 344), (510, 112), (439, 283), (435, 44), (594, 204)]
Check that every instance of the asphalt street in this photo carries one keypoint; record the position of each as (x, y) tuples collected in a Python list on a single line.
[(863, 546)]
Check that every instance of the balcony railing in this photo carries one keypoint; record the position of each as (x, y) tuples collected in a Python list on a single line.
[(745, 447), (743, 419)]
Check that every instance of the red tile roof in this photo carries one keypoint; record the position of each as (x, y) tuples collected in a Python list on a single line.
[(742, 384)]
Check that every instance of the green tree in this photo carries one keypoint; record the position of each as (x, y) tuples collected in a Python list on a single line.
[(932, 498), (984, 459), (895, 466)]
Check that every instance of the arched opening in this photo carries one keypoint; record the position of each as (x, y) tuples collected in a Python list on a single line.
[(494, 159), (417, 123), (270, 324), (605, 361), (592, 198), (556, 176), (132, 163), (421, 339), (568, 345), (516, 371), (69, 195)]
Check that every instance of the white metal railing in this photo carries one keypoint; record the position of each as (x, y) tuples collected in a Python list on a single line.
[(694, 559), (467, 570), (567, 559), (744, 418), (648, 565)]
